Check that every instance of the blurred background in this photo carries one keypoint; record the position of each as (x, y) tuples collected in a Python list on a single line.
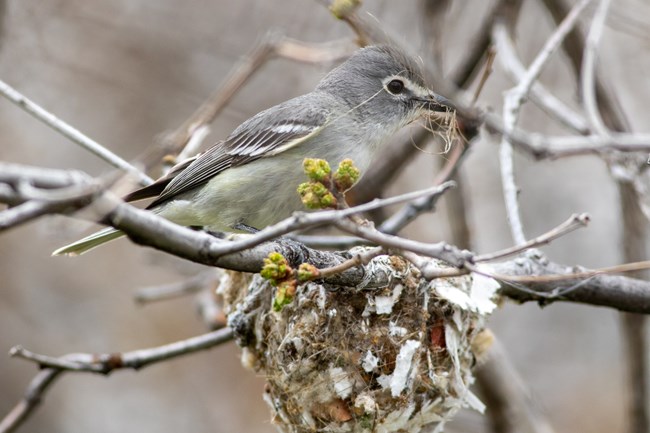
[(126, 71)]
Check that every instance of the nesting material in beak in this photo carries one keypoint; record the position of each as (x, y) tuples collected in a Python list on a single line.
[(439, 104)]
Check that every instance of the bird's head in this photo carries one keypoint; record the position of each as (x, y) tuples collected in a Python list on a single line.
[(385, 86)]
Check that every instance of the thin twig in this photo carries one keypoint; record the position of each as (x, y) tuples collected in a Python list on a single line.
[(490, 54), (575, 222), (512, 105), (357, 260), (551, 278), (270, 46), (327, 241), (137, 359), (412, 210), (302, 220), (587, 81), (193, 144), (30, 202), (23, 213), (31, 399), (538, 93), (71, 133), (441, 250), (100, 364)]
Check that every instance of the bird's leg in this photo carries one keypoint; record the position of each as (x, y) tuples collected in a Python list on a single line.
[(245, 228), (287, 244), (218, 235)]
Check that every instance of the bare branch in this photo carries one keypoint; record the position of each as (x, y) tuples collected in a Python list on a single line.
[(538, 93), (30, 401), (271, 45), (588, 69), (148, 229), (622, 293), (101, 364), (23, 213), (575, 222), (412, 210), (356, 260), (512, 105), (71, 133), (137, 359), (30, 203), (440, 250)]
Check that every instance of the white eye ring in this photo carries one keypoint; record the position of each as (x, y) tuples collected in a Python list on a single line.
[(395, 86)]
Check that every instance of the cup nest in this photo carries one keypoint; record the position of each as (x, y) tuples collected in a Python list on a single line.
[(361, 359)]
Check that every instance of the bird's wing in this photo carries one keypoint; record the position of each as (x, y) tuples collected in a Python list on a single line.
[(268, 133), (156, 188)]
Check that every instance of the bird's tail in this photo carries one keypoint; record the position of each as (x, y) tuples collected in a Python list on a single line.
[(89, 242)]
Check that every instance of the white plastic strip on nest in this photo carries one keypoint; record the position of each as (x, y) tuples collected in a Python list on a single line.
[(478, 298), (398, 380), (384, 304)]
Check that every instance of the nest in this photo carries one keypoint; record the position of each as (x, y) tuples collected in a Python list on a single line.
[(341, 359)]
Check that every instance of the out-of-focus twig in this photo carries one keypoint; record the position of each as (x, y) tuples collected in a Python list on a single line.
[(137, 359), (71, 132), (98, 363), (575, 222), (272, 45), (538, 93), (635, 225), (412, 210), (433, 17), (588, 69), (503, 389), (574, 46), (31, 399), (513, 101)]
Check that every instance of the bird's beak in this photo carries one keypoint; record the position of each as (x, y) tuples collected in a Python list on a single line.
[(437, 103)]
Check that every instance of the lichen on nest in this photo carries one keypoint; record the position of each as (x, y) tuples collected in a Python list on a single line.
[(357, 359)]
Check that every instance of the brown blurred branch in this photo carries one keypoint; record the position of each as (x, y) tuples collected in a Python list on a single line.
[(433, 22), (511, 407), (271, 46)]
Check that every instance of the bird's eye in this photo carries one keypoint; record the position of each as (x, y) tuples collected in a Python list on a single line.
[(395, 87)]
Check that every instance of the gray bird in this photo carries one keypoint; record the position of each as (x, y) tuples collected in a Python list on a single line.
[(249, 180)]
